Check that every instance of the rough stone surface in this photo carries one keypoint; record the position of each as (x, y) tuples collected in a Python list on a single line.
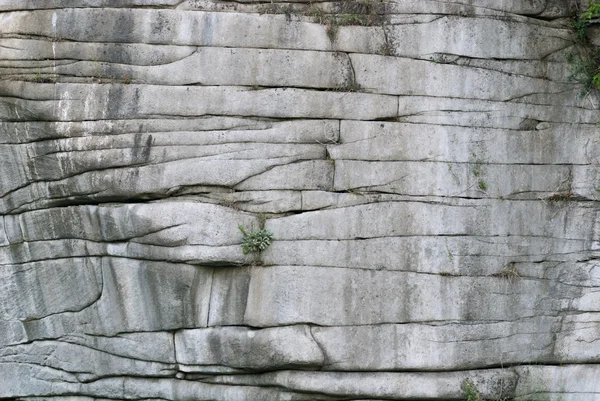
[(429, 171)]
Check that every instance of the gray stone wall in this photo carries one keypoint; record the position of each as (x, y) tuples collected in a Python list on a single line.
[(428, 170)]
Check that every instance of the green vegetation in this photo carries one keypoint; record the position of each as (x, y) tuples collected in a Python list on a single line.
[(255, 241), (586, 69), (336, 14), (585, 18), (471, 391), (482, 185), (351, 12), (586, 66)]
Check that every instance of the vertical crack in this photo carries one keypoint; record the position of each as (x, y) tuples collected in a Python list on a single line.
[(247, 295), (351, 85), (210, 296), (325, 358), (4, 240), (175, 351), (387, 47)]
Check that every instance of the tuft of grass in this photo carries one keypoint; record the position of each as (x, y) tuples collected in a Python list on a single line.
[(509, 273), (471, 391), (564, 196), (386, 49), (482, 185), (350, 12), (255, 241)]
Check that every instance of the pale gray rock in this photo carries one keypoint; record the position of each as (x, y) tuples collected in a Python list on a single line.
[(45, 4), (43, 54), (457, 346), (573, 382), (49, 284), (394, 297), (159, 164), (404, 76), (188, 29), (176, 298), (240, 347), (314, 174), (532, 256), (66, 248), (229, 295), (23, 380), (390, 219), (86, 364), (488, 38), (167, 131), (191, 223), (144, 346), (487, 114), (383, 141), (217, 66), (473, 180), (399, 386), (191, 101), (428, 172), (271, 201)]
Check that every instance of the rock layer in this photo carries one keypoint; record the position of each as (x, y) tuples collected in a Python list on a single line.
[(428, 170)]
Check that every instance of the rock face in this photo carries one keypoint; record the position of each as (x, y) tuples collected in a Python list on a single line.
[(429, 173)]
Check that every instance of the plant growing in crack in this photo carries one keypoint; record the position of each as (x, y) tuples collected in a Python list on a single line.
[(255, 241), (509, 273), (586, 65), (350, 12), (471, 391)]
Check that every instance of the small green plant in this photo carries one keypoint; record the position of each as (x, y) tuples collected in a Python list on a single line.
[(471, 391), (581, 23), (40, 79), (255, 241), (592, 12), (482, 185), (350, 12), (586, 67), (446, 273)]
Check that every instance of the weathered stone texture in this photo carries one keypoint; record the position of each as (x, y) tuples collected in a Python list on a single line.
[(429, 171)]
